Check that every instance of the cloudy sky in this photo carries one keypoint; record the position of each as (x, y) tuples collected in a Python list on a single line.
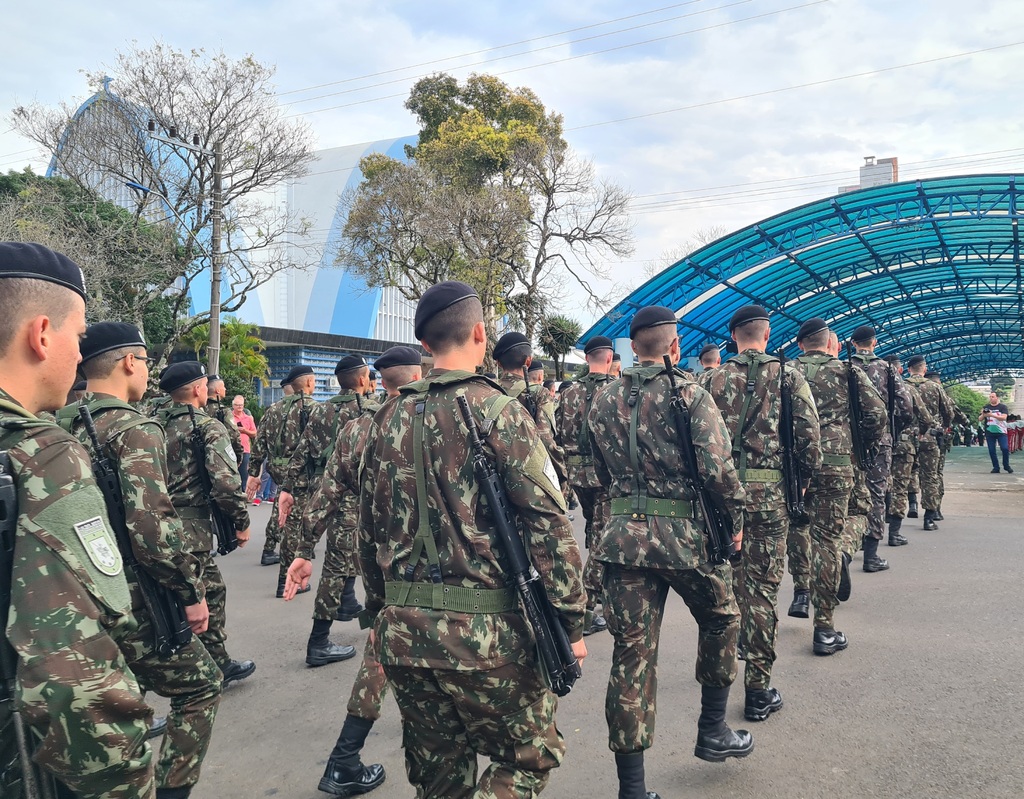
[(712, 112)]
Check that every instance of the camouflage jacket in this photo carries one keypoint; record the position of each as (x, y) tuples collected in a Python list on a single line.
[(184, 482), (335, 501), (545, 420), (136, 445), (659, 541), (757, 446), (923, 422), (318, 440), (940, 407), (704, 378), (573, 431), (278, 437), (829, 383), (877, 371), (460, 524), (70, 611), (223, 415)]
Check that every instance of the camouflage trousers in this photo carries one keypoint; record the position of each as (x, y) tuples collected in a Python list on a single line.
[(273, 534), (191, 680), (756, 582), (216, 598), (798, 555), (339, 564), (596, 509), (941, 470), (634, 607), (827, 502), (857, 517), (369, 687), (930, 461), (904, 457), (449, 717), (291, 534), (878, 478)]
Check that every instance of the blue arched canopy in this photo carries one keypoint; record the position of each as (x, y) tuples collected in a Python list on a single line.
[(933, 264)]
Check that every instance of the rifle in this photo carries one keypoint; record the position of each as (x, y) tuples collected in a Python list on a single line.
[(718, 524), (894, 427), (223, 527), (790, 468), (556, 653), (171, 630), (8, 657), (528, 401), (863, 457)]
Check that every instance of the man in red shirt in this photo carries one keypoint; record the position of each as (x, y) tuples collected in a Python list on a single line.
[(247, 427)]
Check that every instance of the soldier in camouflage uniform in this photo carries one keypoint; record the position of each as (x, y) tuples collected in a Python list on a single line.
[(465, 682), (114, 362), (936, 402), (291, 415), (654, 542), (186, 384), (710, 358), (952, 415), (268, 432), (616, 370), (828, 496), (69, 602), (878, 476), (315, 451), (747, 390), (216, 392), (574, 438), (513, 354)]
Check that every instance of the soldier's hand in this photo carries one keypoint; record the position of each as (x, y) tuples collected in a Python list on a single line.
[(285, 501), (198, 617), (579, 649), (298, 577), (242, 536), (737, 540), (252, 485)]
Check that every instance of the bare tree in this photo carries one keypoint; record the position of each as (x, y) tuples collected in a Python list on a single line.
[(203, 98)]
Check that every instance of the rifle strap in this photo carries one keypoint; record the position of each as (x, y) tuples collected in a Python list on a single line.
[(583, 440), (424, 535), (639, 482), (737, 443)]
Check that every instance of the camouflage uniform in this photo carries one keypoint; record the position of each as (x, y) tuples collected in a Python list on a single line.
[(223, 415), (929, 458), (860, 508), (915, 443), (878, 472), (70, 610), (183, 483), (544, 419), (332, 503), (752, 418), (189, 678), (573, 434), (267, 434), (665, 549), (828, 496), (466, 683)]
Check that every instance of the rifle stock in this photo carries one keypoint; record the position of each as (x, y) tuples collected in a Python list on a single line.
[(790, 467), (861, 454)]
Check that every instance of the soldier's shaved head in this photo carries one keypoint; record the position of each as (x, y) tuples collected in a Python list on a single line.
[(653, 342), (453, 326), (751, 332), (22, 299), (394, 377)]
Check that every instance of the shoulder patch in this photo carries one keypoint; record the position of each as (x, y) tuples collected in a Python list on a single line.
[(99, 545)]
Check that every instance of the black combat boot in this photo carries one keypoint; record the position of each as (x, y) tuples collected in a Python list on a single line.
[(715, 741), (183, 792), (929, 520), (594, 622), (158, 727), (938, 515), (345, 774), (350, 607), (801, 606), (320, 650), (761, 703), (873, 563), (911, 506), (269, 558), (828, 642), (280, 588), (235, 670), (630, 768), (895, 539)]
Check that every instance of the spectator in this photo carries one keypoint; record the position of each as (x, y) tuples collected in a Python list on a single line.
[(994, 415), (247, 427)]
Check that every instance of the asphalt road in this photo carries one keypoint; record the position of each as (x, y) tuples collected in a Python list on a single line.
[(925, 703)]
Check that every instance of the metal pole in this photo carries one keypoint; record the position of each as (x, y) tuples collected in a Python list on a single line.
[(216, 217)]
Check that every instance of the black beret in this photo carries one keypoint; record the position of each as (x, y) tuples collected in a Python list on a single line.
[(706, 349), (893, 359), (812, 326), (651, 316), (214, 379), (80, 385), (510, 341), (597, 343), (915, 360), (36, 262), (933, 373), (490, 375), (106, 336), (296, 373), (398, 356), (748, 313), (536, 366), (347, 363), (616, 357), (283, 382), (863, 334), (181, 374), (438, 298)]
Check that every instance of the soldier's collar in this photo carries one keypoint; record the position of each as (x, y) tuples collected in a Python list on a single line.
[(445, 377), (337, 399), (12, 405)]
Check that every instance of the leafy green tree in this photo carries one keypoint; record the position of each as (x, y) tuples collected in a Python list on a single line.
[(241, 357), (557, 336), (967, 399), (1003, 386)]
